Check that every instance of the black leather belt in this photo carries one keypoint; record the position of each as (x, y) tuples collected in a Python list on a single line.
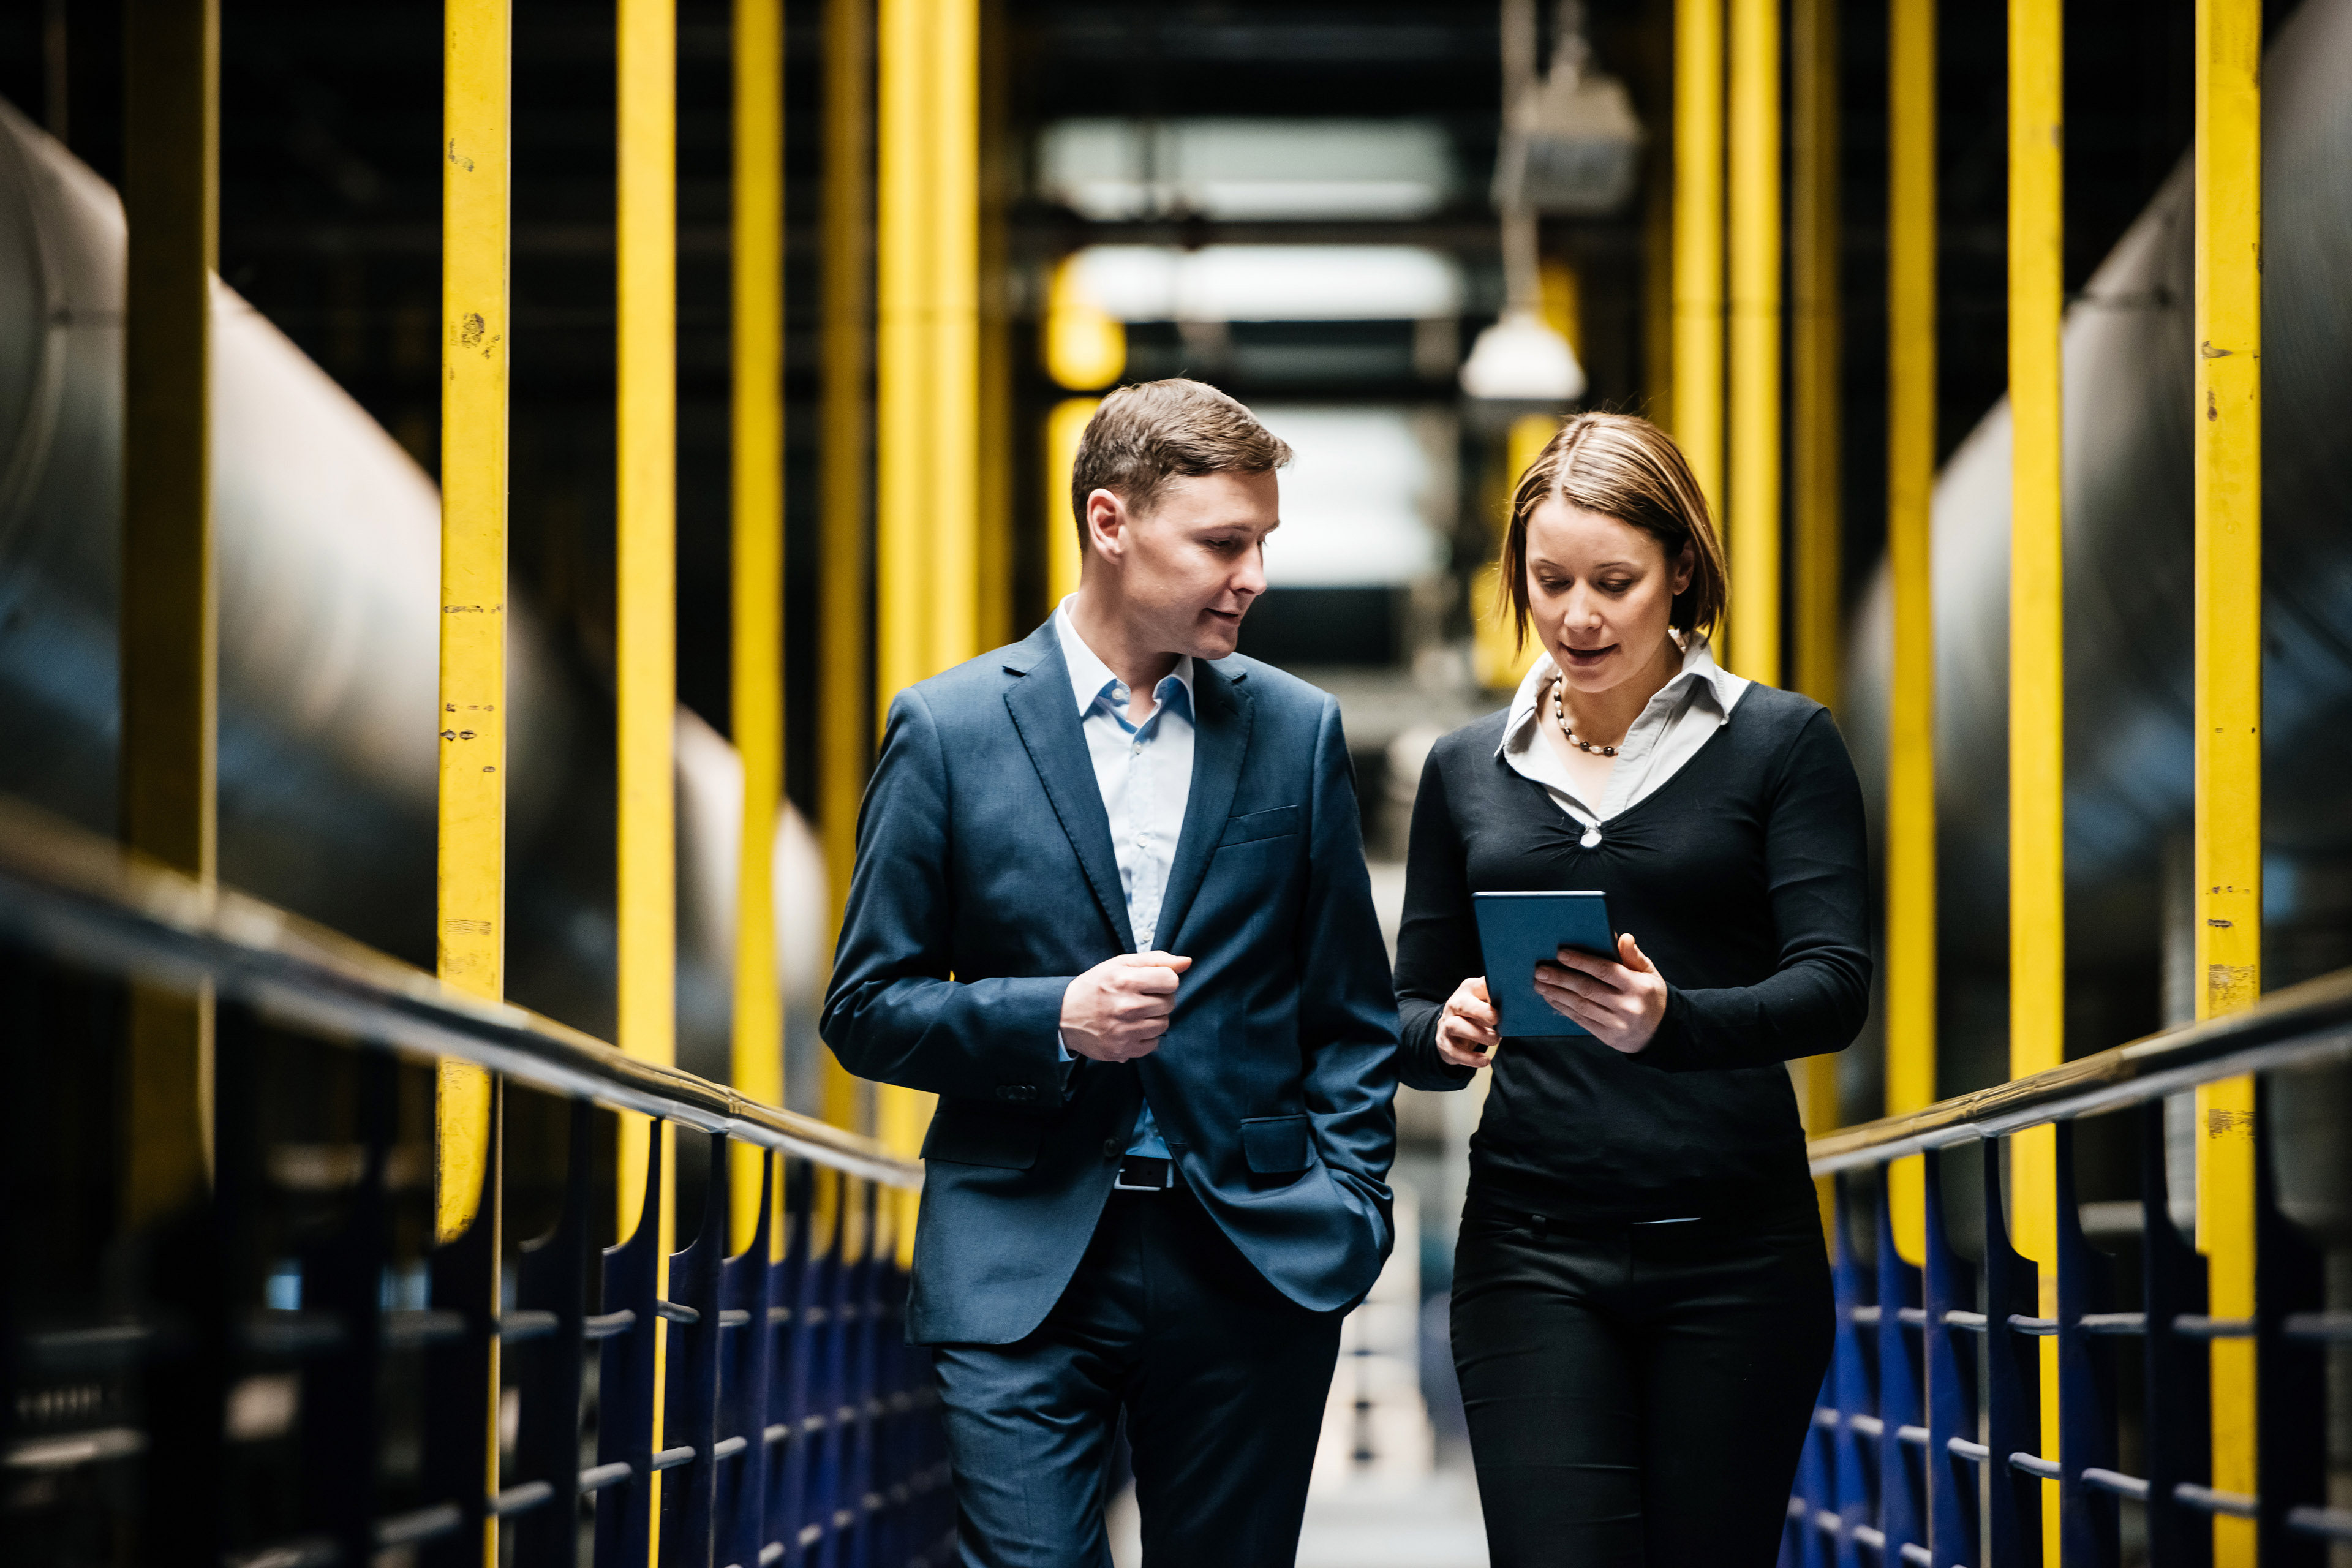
[(1142, 1173)]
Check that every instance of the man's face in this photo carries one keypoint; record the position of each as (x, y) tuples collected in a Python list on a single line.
[(1188, 569)]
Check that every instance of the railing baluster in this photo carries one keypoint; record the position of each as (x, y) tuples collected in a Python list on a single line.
[(1901, 1514), (744, 1287), (547, 1372), (464, 1276), (2012, 1386), (1852, 1467), (690, 1377), (1950, 1361), (2086, 1383), (342, 1278), (2174, 1412), (624, 1384), (2292, 1407)]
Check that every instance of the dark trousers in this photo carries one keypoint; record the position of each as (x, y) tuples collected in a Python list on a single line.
[(1222, 1377), (1638, 1395)]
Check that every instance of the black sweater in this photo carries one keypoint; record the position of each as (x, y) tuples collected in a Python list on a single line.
[(1743, 877)]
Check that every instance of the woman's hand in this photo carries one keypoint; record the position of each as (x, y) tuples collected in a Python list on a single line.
[(1465, 1030), (1622, 1003)]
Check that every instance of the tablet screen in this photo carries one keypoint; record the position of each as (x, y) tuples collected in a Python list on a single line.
[(1519, 930)]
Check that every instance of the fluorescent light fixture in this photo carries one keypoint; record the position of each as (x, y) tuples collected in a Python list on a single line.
[(1272, 282), (1248, 170), (1363, 500), (1521, 360)]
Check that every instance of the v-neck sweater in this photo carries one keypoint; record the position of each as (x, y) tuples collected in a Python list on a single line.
[(1744, 880)]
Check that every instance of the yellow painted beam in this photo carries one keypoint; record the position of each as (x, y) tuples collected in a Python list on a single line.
[(1752, 507), (756, 672), (647, 555), (647, 603), (477, 132), (926, 554), (2229, 681), (1815, 344), (170, 645), (1698, 242), (2037, 733), (844, 612), (1064, 426), (1911, 231)]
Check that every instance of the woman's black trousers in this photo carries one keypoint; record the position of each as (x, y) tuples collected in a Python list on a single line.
[(1638, 1393)]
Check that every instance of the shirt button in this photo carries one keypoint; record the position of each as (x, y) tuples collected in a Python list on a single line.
[(1592, 838), (1110, 1148)]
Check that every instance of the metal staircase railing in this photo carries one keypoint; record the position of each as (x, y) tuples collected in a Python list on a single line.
[(1928, 1444), (290, 1373)]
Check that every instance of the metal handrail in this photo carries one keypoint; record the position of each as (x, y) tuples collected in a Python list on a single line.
[(2302, 1025), (84, 900)]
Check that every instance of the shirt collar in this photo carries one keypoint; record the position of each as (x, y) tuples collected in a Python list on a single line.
[(1698, 669), (1089, 674)]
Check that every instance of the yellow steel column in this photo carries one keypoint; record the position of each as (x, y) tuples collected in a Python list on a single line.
[(647, 644), (2229, 656), (904, 454), (2037, 733), (170, 611), (756, 678), (477, 109), (843, 610), (1066, 427), (1698, 242), (1815, 349), (470, 934), (951, 125), (927, 553), (1910, 489), (1753, 503)]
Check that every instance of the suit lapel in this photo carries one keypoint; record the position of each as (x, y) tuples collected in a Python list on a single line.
[(1221, 733), (1044, 712)]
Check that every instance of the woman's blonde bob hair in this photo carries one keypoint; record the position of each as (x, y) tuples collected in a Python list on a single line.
[(1623, 467)]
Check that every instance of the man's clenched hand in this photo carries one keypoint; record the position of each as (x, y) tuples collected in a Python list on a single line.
[(1117, 1010)]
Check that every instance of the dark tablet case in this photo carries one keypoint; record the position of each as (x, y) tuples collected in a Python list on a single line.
[(1519, 930)]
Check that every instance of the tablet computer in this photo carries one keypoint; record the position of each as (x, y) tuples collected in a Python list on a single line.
[(1519, 930)]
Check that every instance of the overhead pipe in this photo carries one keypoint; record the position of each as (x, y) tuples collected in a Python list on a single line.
[(329, 563)]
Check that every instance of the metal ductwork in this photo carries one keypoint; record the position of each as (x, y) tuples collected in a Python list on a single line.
[(2129, 696), (328, 538)]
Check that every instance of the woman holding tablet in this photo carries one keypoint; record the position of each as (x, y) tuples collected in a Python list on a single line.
[(1641, 1310)]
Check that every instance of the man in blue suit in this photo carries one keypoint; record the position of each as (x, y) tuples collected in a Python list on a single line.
[(1110, 906)]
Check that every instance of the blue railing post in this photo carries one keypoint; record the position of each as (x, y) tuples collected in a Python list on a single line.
[(2174, 1415), (343, 1284), (625, 1383), (2292, 1405), (551, 1277), (464, 1279), (2012, 1386), (690, 1376), (1949, 1355), (1901, 1514), (788, 1372), (745, 1335), (1852, 1469), (2088, 1526)]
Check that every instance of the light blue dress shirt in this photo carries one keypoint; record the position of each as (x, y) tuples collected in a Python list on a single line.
[(1145, 774)]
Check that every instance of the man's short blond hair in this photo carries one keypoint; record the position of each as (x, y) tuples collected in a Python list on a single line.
[(1146, 434)]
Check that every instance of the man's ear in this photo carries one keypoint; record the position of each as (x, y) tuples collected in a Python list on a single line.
[(1106, 523)]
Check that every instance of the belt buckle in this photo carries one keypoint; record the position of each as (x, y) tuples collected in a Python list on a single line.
[(1142, 1165)]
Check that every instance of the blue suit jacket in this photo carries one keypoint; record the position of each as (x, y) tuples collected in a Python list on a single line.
[(985, 882)]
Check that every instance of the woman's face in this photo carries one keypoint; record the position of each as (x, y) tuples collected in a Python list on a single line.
[(1600, 593)]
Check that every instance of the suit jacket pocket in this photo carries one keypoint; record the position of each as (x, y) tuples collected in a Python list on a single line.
[(1256, 825), (1275, 1145), (963, 1133)]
